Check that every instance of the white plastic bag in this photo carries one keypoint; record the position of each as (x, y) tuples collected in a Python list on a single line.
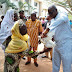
[(47, 41)]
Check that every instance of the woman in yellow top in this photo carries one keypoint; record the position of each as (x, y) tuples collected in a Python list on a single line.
[(16, 47)]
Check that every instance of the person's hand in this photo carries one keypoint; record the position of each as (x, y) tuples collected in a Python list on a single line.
[(48, 18), (53, 39), (43, 35), (39, 42)]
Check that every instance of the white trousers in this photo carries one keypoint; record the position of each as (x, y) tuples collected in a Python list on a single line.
[(62, 52)]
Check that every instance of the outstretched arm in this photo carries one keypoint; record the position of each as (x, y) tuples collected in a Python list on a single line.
[(61, 20), (45, 32)]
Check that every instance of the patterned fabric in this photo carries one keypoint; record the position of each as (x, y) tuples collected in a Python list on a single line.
[(33, 29), (12, 60)]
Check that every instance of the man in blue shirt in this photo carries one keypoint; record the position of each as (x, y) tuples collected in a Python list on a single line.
[(63, 38)]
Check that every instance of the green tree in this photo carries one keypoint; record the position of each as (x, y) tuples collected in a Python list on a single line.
[(22, 6), (2, 1), (67, 4), (31, 8), (8, 4)]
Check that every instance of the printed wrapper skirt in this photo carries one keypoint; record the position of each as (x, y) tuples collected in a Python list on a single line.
[(12, 60)]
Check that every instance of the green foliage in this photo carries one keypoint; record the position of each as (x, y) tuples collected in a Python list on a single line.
[(20, 4), (17, 69), (30, 52), (70, 16), (8, 3), (9, 60), (2, 1), (67, 4)]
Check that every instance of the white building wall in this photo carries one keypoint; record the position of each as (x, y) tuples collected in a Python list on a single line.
[(32, 3), (37, 8)]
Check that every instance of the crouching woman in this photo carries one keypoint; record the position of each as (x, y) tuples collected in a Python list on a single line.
[(16, 47)]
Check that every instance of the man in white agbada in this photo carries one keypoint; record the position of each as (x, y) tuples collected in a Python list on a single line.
[(6, 26), (63, 38)]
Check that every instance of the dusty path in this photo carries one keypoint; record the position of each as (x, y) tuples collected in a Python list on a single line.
[(45, 65)]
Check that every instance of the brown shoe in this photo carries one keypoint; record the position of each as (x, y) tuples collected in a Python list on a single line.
[(35, 63), (28, 62)]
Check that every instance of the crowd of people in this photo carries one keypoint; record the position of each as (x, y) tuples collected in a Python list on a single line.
[(19, 34)]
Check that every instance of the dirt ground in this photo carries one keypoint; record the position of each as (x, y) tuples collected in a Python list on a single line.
[(45, 64)]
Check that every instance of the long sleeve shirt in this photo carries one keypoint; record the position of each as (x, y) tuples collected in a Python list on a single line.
[(61, 27)]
